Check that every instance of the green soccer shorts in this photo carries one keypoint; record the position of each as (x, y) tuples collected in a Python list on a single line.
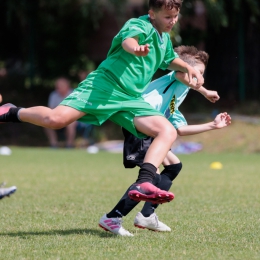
[(108, 103)]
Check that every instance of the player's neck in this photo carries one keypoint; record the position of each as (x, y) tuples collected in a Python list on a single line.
[(154, 26)]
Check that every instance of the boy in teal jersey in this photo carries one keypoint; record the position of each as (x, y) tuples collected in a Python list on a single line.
[(166, 95), (113, 92)]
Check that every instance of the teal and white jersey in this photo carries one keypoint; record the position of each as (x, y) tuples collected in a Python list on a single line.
[(166, 95)]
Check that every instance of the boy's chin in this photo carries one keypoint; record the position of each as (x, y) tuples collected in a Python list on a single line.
[(168, 30)]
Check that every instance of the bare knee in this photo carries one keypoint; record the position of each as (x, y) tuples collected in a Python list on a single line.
[(168, 132), (156, 126), (55, 122)]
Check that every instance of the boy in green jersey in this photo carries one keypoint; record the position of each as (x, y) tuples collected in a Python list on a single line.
[(113, 92)]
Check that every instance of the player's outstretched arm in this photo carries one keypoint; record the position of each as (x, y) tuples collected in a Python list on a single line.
[(131, 45), (220, 121), (211, 95)]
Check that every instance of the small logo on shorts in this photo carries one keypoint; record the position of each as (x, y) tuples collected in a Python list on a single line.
[(172, 104), (130, 157)]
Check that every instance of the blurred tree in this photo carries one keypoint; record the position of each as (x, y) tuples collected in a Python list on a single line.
[(47, 38), (43, 39), (231, 36), (222, 13), (50, 37)]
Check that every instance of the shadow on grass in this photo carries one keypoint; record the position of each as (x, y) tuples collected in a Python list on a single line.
[(94, 232)]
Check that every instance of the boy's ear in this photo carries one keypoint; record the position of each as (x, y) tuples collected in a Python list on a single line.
[(151, 14)]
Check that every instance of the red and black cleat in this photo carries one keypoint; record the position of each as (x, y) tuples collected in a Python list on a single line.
[(148, 192), (4, 109)]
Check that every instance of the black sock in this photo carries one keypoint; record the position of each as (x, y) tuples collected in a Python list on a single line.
[(125, 204), (172, 170), (169, 173), (147, 173), (11, 115), (123, 207)]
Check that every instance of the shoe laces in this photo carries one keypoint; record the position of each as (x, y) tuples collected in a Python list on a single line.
[(156, 219), (117, 221)]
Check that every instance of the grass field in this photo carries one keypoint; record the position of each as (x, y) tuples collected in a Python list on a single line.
[(62, 194)]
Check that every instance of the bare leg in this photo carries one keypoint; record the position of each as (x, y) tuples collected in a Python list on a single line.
[(164, 135), (56, 118), (170, 159)]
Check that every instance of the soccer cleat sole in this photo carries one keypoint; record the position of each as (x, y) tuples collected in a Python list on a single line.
[(141, 227), (105, 228), (8, 195), (154, 198)]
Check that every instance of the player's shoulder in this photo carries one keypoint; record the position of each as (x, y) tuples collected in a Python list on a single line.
[(140, 22), (144, 19)]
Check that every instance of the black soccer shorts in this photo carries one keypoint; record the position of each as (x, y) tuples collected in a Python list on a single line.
[(134, 149)]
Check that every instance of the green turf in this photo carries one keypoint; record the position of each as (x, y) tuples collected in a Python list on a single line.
[(62, 194)]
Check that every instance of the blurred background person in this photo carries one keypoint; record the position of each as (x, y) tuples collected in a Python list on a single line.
[(62, 90)]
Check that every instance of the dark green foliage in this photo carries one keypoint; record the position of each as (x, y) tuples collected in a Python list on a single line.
[(222, 13), (43, 39), (48, 38)]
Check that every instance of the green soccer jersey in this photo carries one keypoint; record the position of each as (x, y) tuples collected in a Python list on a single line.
[(113, 91), (132, 74)]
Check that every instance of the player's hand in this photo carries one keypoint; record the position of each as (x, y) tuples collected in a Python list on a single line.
[(212, 96), (222, 120), (141, 50), (195, 76)]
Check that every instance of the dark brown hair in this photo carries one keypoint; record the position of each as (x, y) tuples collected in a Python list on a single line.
[(192, 55), (168, 4)]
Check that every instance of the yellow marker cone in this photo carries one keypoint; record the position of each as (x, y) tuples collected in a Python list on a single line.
[(216, 166)]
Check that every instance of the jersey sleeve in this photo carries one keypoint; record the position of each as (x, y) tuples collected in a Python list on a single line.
[(132, 28), (170, 54), (177, 119)]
